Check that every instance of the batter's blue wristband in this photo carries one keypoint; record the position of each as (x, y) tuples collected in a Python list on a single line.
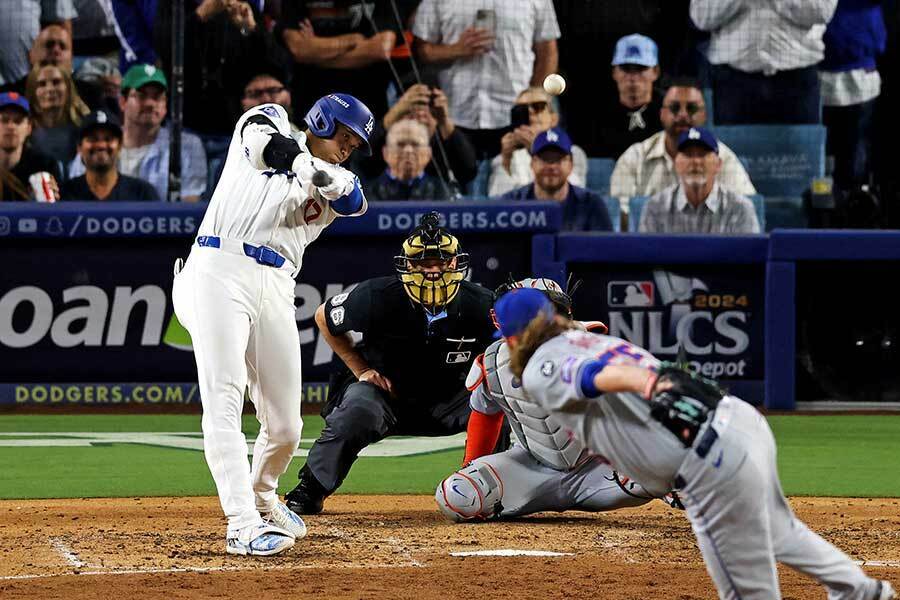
[(588, 371), (350, 203)]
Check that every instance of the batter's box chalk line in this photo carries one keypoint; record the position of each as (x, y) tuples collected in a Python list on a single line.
[(511, 552), (258, 567)]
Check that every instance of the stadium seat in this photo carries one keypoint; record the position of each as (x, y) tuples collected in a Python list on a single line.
[(782, 160), (599, 173), (635, 207), (478, 187), (614, 210), (785, 212)]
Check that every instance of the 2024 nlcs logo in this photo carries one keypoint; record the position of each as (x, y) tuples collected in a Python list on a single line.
[(673, 310)]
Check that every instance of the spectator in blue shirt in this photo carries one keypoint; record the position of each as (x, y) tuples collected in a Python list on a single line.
[(145, 142), (551, 162)]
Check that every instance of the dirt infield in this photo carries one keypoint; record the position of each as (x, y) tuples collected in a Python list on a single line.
[(392, 547)]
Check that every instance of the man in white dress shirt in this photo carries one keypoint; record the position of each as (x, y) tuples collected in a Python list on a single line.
[(487, 55), (764, 55), (648, 167)]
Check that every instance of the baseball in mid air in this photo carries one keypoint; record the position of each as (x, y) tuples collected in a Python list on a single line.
[(554, 84)]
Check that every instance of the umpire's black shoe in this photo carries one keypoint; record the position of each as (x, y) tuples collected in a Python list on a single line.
[(309, 495)]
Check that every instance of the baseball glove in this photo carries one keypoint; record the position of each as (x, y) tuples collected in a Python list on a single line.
[(682, 400)]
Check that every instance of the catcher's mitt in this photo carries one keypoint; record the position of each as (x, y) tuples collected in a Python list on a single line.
[(682, 400)]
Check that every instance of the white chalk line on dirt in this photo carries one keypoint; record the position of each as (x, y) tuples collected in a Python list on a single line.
[(153, 571), (67, 553)]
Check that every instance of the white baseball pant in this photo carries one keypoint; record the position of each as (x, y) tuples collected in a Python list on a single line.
[(240, 315)]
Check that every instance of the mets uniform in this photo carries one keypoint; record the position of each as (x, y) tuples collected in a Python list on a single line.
[(728, 479), (235, 295), (548, 469)]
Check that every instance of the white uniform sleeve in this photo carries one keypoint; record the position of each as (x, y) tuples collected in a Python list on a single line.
[(254, 138)]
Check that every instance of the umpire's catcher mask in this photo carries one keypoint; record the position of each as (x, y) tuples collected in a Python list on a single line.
[(431, 266)]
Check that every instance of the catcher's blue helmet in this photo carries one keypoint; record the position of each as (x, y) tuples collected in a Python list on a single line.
[(329, 110)]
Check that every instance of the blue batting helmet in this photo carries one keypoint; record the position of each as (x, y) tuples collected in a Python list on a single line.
[(329, 110)]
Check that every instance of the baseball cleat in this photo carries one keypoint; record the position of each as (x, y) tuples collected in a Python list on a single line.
[(885, 591), (308, 497), (287, 519), (263, 539)]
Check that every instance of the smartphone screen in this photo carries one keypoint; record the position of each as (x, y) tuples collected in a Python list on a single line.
[(519, 115), (486, 18)]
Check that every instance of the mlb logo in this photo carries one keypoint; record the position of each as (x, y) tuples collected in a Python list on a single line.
[(455, 358), (630, 293)]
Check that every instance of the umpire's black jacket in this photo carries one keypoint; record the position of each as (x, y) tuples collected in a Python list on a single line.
[(427, 362)]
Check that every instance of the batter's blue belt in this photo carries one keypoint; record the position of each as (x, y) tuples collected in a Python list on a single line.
[(261, 254)]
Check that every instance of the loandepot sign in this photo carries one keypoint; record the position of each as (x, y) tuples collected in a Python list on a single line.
[(390, 447)]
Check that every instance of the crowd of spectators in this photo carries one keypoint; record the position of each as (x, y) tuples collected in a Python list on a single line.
[(456, 88)]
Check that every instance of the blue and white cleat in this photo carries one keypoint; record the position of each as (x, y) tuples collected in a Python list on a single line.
[(262, 539), (285, 518)]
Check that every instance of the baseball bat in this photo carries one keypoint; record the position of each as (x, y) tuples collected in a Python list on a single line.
[(321, 179)]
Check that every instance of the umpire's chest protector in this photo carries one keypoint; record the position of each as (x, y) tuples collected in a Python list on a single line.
[(429, 360)]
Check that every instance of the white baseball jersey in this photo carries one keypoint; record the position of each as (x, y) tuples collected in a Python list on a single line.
[(266, 207), (495, 388)]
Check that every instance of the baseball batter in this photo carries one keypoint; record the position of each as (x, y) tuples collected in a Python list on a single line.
[(548, 469), (235, 295), (673, 429)]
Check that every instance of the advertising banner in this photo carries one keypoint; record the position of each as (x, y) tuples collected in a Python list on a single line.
[(715, 314), (99, 309)]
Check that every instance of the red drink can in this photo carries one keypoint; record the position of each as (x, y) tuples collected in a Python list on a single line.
[(40, 185)]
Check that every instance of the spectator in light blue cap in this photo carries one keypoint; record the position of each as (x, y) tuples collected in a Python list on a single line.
[(635, 69), (635, 116), (697, 204)]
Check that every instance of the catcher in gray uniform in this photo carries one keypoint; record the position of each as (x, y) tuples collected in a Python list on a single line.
[(548, 469), (666, 427)]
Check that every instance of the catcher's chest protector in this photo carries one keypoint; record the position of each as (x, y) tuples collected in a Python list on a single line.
[(544, 437)]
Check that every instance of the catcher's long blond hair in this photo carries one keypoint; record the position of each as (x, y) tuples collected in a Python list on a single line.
[(538, 331)]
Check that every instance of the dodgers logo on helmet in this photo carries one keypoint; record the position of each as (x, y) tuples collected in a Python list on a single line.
[(328, 111)]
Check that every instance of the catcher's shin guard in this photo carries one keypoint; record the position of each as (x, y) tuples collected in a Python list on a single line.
[(473, 492)]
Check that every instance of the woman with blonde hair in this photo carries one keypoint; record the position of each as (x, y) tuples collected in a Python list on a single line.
[(57, 110), (511, 168)]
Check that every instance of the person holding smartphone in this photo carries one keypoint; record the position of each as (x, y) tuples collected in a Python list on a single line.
[(452, 153), (532, 113), (485, 56)]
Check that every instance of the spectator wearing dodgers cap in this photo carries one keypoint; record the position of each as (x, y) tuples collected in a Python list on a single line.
[(19, 161), (551, 163), (99, 144), (697, 204)]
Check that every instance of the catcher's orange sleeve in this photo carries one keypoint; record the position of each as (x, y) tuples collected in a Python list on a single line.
[(482, 434)]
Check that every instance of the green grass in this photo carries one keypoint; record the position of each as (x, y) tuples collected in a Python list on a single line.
[(818, 455), (846, 455)]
